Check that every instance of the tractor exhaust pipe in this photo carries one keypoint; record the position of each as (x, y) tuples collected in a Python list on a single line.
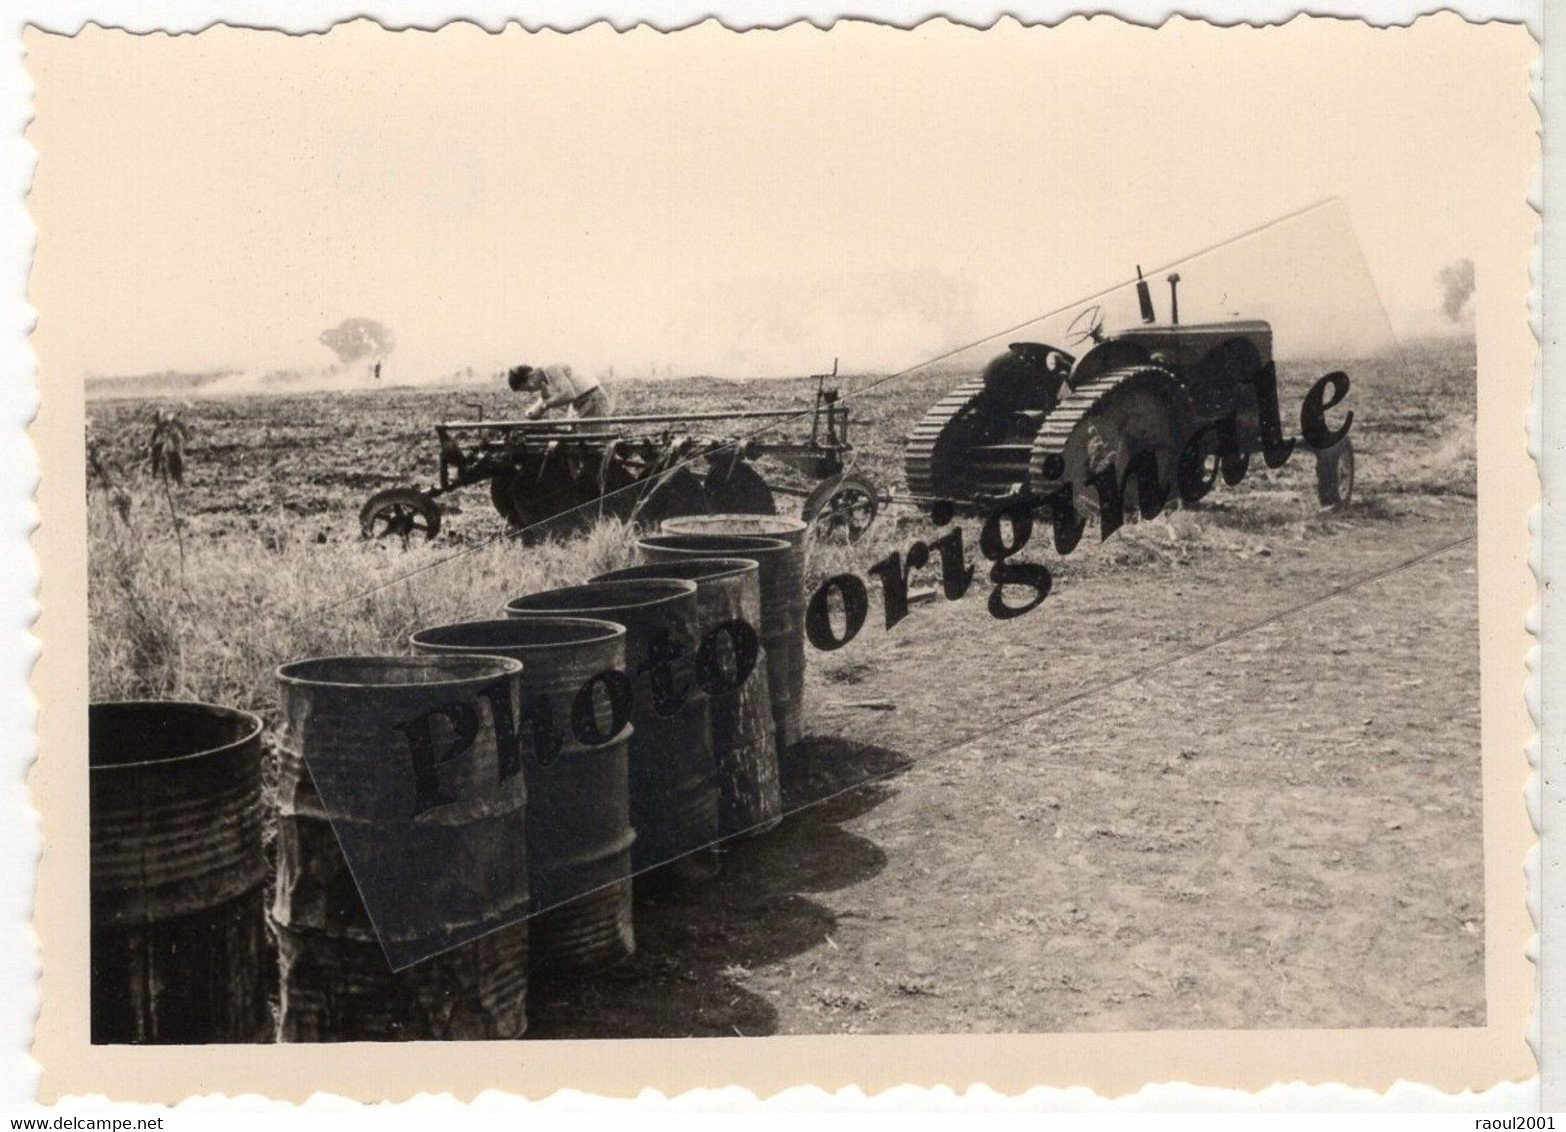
[(1144, 297), (1174, 298)]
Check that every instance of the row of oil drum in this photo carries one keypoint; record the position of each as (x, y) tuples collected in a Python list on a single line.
[(617, 729)]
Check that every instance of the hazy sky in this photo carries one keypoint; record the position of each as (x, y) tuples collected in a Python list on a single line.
[(716, 202)]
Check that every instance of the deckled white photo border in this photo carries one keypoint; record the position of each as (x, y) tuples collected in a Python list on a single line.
[(18, 957)]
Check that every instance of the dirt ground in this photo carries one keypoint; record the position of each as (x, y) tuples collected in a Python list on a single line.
[(1279, 827), (1281, 830)]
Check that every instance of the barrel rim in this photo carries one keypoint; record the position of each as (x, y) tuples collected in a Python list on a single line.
[(254, 727), (736, 566), (502, 666), (672, 524), (611, 631), (684, 590), (747, 543)]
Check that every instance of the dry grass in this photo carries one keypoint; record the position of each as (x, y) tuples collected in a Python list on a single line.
[(220, 636)]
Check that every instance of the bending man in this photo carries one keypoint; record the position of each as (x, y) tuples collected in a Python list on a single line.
[(558, 388)]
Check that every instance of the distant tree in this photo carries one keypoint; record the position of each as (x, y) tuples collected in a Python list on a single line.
[(356, 338), (1457, 283)]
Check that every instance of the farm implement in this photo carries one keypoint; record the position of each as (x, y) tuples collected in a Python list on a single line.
[(642, 468)]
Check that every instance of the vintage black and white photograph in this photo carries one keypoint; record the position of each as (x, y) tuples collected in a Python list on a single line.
[(859, 533)]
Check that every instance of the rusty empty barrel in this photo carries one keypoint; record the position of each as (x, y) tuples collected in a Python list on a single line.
[(674, 791), (782, 612), (728, 594), (395, 766), (178, 931), (579, 821), (793, 532)]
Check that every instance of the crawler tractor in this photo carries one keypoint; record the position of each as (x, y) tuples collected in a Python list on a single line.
[(1040, 416)]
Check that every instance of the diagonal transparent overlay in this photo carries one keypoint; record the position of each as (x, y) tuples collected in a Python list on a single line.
[(392, 878)]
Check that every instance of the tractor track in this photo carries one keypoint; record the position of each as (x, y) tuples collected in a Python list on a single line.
[(1069, 415), (921, 453)]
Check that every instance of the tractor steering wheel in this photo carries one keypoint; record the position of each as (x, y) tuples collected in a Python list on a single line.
[(1086, 325)]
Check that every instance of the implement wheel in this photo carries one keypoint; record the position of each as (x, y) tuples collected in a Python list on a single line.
[(548, 501), (500, 495), (668, 496), (733, 487), (841, 508), (404, 513)]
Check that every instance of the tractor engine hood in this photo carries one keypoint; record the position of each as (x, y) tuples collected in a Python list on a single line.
[(1188, 343)]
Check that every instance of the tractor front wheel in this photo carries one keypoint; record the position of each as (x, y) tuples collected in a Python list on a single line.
[(1335, 475)]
